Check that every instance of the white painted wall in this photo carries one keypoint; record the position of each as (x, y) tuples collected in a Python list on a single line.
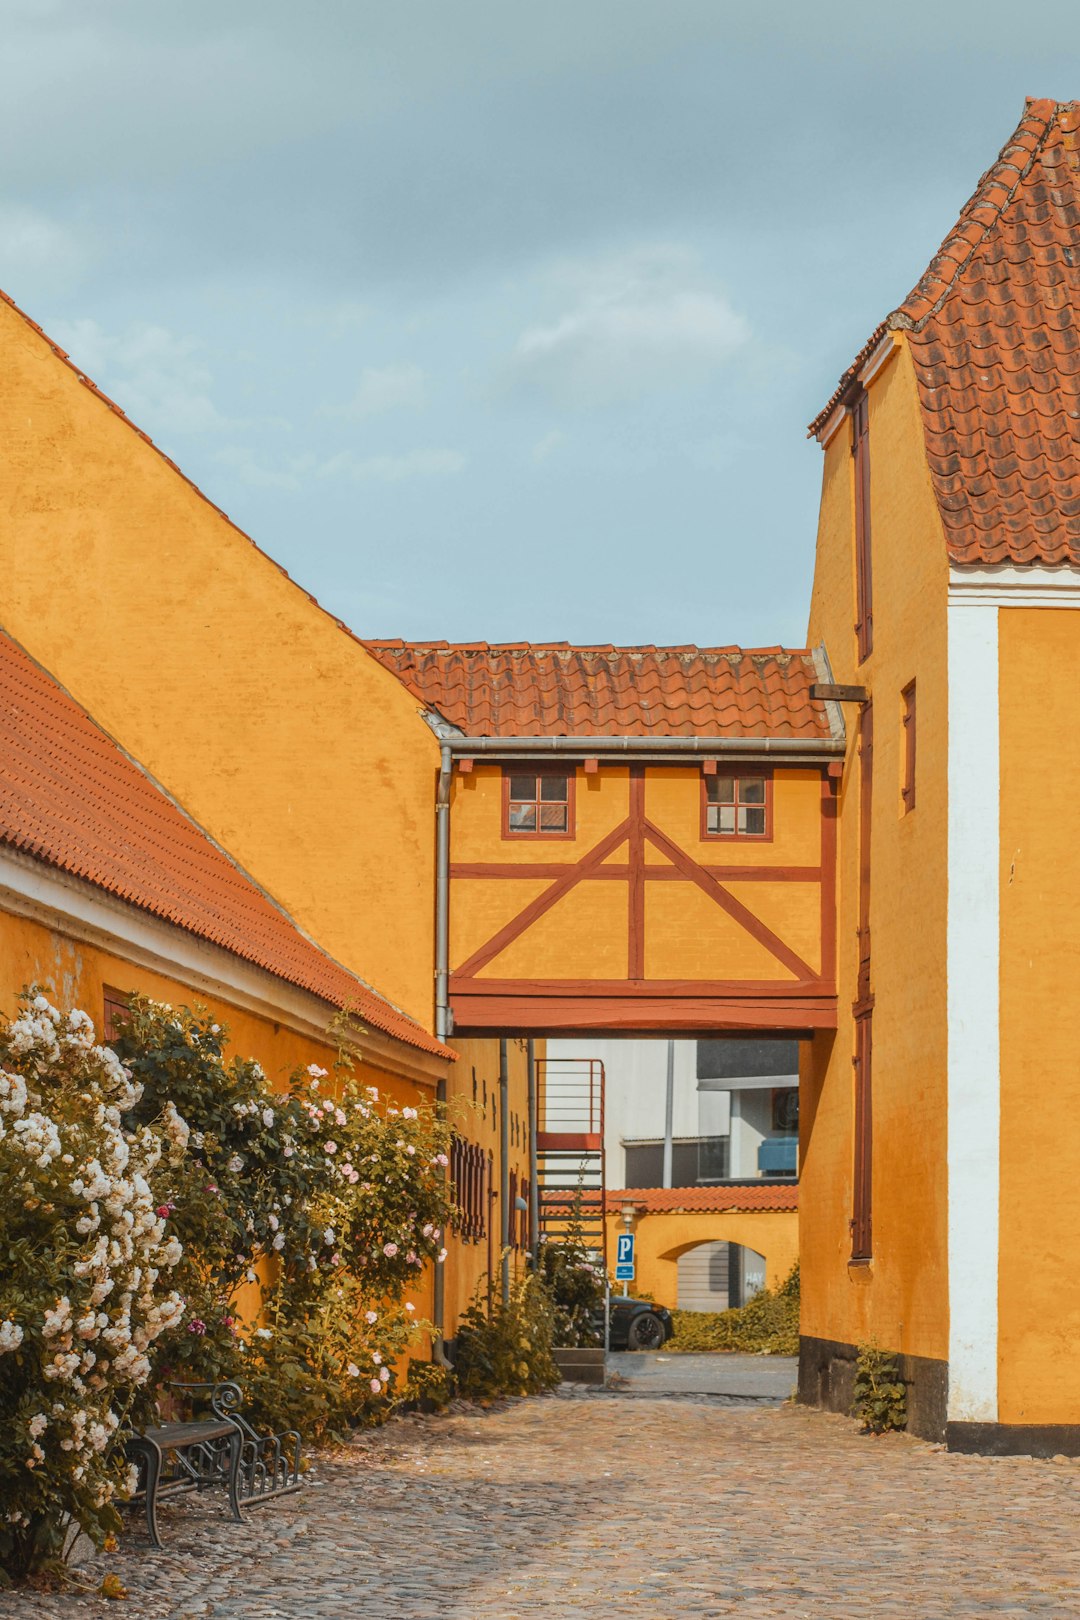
[(635, 1072), (972, 954)]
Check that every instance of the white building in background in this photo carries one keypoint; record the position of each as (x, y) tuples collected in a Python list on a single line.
[(734, 1108)]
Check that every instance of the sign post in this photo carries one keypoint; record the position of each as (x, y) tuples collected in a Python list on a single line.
[(624, 1260)]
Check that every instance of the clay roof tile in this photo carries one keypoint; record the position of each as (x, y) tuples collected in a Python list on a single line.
[(547, 689), (994, 331)]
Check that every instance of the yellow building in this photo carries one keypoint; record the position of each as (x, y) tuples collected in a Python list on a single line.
[(107, 888), (268, 721), (940, 1199)]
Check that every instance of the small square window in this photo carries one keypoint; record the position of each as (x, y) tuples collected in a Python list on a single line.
[(538, 804), (737, 806)]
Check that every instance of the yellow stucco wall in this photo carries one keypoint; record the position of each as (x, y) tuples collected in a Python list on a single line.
[(272, 727), (662, 1237), (472, 1106), (76, 974), (584, 935), (901, 1298), (1039, 1282)]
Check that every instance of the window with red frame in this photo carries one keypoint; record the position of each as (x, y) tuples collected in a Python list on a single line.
[(539, 804), (115, 1003), (737, 806)]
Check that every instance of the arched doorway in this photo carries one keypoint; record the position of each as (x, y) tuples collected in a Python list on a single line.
[(717, 1276)]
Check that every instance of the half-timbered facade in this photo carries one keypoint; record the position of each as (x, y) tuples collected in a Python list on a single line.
[(639, 838)]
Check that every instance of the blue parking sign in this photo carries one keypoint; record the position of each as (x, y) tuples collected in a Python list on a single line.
[(624, 1255)]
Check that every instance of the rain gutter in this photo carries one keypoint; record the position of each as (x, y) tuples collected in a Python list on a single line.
[(794, 750)]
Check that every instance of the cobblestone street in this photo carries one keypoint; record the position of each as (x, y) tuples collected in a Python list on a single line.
[(598, 1505)]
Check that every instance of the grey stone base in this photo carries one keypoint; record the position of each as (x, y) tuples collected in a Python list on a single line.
[(827, 1379), (580, 1366), (1015, 1439)]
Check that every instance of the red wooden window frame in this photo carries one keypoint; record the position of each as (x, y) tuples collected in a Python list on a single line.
[(864, 593), (469, 1183), (907, 789), (539, 774), (737, 775), (113, 1002), (863, 1160)]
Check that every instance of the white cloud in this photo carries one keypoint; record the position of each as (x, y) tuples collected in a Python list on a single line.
[(39, 253), (240, 460), (386, 388), (159, 380), (648, 319), (546, 446), (390, 469), (294, 472)]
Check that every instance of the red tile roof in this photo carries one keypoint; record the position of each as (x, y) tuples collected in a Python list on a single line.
[(669, 1200), (552, 689), (70, 797), (994, 330)]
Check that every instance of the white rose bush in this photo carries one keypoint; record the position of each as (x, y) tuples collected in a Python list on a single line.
[(329, 1197), (143, 1186), (86, 1266)]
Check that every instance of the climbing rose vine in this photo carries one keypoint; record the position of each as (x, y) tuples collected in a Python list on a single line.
[(85, 1275), (325, 1195)]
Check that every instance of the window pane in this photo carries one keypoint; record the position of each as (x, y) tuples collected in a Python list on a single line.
[(553, 817), (725, 790), (522, 817), (752, 821), (553, 787), (712, 820), (752, 790), (523, 787), (727, 818)]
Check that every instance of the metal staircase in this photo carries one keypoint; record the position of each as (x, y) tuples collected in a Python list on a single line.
[(570, 1148)]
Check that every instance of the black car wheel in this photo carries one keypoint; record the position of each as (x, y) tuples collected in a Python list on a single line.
[(646, 1333)]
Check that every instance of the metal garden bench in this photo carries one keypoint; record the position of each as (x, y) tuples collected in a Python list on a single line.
[(222, 1450)]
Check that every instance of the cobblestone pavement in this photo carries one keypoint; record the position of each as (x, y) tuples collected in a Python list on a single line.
[(657, 1373), (602, 1507)]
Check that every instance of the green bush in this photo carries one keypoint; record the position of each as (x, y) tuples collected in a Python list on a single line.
[(575, 1281), (880, 1402), (768, 1324), (506, 1350)]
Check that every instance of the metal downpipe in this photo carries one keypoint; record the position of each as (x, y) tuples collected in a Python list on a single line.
[(534, 1190), (438, 1293), (442, 895), (504, 1166)]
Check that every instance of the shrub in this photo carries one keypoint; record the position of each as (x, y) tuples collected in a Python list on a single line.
[(576, 1284), (506, 1350), (880, 1402), (768, 1324), (84, 1276), (327, 1197)]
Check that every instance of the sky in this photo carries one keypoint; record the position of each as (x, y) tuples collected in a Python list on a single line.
[(494, 321)]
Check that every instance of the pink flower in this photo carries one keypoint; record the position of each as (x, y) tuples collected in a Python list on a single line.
[(376, 1387), (371, 1316), (329, 1147), (389, 1249), (163, 1211), (440, 1158), (197, 1327)]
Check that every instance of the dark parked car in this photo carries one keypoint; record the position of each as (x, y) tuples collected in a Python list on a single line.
[(638, 1325)]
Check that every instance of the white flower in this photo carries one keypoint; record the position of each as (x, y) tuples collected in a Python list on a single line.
[(377, 1357), (38, 1425), (315, 1072), (235, 1164), (371, 1316), (410, 1307), (384, 1374), (263, 1333), (268, 1117), (353, 1370), (376, 1387), (11, 1336), (279, 1241), (328, 1237)]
